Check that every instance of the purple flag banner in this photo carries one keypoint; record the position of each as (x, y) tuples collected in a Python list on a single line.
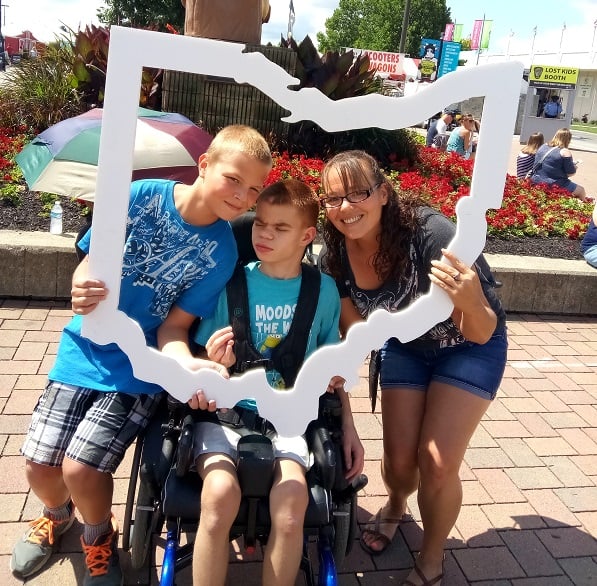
[(476, 35), (449, 32)]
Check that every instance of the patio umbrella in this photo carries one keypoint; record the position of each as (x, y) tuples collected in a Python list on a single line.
[(63, 158)]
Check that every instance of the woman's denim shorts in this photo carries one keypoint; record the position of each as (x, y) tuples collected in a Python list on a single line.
[(476, 368)]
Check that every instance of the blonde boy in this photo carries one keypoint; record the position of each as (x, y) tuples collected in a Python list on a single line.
[(178, 255)]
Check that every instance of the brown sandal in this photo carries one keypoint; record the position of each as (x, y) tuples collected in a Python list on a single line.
[(426, 581), (378, 535)]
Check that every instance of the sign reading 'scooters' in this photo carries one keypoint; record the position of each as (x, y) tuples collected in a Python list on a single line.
[(553, 76), (383, 62)]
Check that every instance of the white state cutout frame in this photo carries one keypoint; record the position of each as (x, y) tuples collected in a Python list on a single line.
[(290, 410)]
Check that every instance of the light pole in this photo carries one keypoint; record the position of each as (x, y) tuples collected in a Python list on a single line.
[(291, 18), (533, 45), (562, 39), (404, 26), (2, 63), (509, 41), (593, 41)]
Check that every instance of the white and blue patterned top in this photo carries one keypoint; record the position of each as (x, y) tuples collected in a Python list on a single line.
[(166, 262)]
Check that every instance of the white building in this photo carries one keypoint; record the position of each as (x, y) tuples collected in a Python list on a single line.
[(584, 100)]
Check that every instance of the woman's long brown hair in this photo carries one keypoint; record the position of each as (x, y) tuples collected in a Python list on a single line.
[(399, 220)]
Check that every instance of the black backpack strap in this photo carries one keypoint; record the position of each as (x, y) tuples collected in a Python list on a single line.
[(239, 318), (289, 355)]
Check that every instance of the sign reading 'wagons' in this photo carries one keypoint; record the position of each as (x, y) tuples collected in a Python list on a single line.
[(553, 76)]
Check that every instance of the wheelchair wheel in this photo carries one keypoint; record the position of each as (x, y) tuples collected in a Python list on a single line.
[(344, 530), (130, 497), (142, 527)]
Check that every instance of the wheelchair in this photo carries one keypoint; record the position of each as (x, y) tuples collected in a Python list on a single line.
[(168, 493)]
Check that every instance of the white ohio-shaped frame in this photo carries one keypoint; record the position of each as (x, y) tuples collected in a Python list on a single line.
[(291, 410)]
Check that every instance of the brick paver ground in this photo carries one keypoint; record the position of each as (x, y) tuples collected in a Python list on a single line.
[(529, 514)]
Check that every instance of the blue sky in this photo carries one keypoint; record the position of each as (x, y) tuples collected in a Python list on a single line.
[(513, 20)]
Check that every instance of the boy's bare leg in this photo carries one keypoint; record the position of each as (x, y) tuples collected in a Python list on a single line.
[(47, 483), (90, 490), (288, 502), (220, 500)]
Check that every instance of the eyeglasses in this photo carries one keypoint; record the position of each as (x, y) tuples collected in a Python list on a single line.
[(335, 201)]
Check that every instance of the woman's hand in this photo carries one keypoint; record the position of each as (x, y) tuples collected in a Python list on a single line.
[(220, 347), (472, 313), (458, 280)]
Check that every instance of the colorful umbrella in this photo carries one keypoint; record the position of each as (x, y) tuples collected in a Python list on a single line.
[(63, 158)]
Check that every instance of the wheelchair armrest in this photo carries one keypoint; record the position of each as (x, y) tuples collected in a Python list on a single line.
[(255, 465), (324, 450), (184, 457)]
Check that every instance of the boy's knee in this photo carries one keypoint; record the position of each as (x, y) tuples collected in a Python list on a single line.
[(77, 474), (290, 498), (220, 495), (41, 472)]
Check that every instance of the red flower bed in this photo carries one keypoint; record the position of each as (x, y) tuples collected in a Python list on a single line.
[(441, 178)]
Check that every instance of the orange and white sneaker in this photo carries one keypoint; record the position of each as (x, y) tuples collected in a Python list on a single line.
[(34, 549), (101, 559)]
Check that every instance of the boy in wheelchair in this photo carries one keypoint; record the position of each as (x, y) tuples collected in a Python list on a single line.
[(285, 223)]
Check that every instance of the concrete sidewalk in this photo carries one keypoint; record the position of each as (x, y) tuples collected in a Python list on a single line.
[(529, 513)]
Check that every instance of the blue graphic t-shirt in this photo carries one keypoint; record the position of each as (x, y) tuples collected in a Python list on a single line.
[(166, 262), (272, 303)]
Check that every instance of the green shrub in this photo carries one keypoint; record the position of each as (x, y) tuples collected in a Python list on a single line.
[(39, 92), (337, 77)]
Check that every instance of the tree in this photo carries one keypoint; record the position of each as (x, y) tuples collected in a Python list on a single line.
[(154, 14), (377, 24)]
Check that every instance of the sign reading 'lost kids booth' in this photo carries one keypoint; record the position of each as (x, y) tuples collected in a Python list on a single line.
[(553, 76), (291, 410)]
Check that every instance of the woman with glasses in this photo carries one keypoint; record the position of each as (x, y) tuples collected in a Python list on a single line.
[(384, 249)]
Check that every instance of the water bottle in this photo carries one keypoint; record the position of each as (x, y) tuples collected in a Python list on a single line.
[(56, 218)]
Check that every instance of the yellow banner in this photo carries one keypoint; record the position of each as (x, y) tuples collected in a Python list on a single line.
[(554, 76)]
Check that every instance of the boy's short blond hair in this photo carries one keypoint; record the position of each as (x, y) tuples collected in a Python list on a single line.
[(238, 138), (295, 193)]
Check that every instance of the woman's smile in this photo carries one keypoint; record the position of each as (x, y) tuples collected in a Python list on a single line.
[(352, 220)]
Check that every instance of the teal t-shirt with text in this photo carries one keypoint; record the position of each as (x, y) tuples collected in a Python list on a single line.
[(272, 303)]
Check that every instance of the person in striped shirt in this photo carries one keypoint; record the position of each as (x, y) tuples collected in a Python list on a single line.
[(526, 157)]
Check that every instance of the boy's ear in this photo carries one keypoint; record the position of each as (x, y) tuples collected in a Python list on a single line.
[(309, 235), (202, 164)]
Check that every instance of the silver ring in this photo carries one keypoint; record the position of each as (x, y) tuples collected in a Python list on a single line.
[(456, 277)]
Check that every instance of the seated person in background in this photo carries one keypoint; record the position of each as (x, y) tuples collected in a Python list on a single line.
[(554, 164), (472, 149), (439, 126), (526, 157), (461, 138), (284, 225), (588, 246), (552, 108)]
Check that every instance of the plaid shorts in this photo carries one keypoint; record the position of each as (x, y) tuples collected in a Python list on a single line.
[(87, 426)]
